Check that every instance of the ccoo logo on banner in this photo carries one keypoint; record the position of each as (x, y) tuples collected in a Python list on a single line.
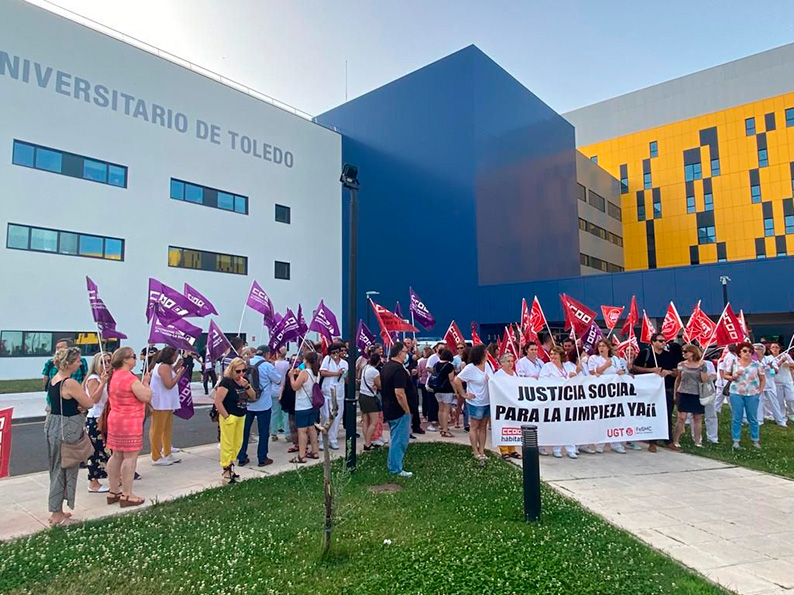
[(581, 410)]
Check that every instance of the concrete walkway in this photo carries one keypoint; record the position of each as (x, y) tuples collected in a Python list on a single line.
[(732, 525)]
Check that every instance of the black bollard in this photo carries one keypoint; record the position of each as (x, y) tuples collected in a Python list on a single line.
[(531, 460)]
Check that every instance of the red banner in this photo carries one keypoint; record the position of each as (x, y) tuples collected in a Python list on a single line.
[(612, 315), (729, 328), (5, 440), (577, 316), (453, 337)]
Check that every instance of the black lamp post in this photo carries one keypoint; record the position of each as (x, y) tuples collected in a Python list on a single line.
[(349, 180)]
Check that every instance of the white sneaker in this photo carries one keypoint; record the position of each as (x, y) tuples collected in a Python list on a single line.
[(431, 428), (588, 449), (573, 455), (173, 458), (378, 443), (633, 446), (599, 449), (175, 449), (405, 474), (543, 452), (557, 454), (618, 449), (334, 447), (164, 462)]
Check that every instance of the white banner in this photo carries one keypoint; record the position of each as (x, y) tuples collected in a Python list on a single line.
[(580, 410)]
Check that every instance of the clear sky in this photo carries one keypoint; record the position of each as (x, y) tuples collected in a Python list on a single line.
[(570, 53)]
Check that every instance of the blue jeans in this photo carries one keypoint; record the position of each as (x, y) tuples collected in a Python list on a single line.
[(263, 423), (399, 432), (744, 405)]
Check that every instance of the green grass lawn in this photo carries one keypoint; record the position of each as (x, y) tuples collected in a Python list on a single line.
[(454, 528), (776, 455)]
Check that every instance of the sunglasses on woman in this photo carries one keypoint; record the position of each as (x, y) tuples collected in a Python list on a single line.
[(239, 371)]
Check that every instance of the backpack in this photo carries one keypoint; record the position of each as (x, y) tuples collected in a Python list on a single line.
[(435, 381), (252, 375), (318, 399)]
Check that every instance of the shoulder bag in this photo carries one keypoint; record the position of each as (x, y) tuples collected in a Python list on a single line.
[(317, 397), (75, 453), (706, 390)]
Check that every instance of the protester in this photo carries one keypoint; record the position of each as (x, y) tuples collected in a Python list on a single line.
[(429, 403), (411, 366), (65, 423), (769, 406), (50, 369), (165, 400), (784, 384), (333, 372), (460, 361), (231, 401), (508, 369), (747, 383), (558, 368), (477, 398), (279, 421), (302, 382), (209, 377), (604, 362), (396, 386), (692, 373), (529, 366), (96, 387), (445, 395), (724, 364), (656, 360), (127, 398), (369, 399), (261, 409)]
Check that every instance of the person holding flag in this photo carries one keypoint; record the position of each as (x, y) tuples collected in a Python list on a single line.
[(656, 360), (165, 400), (333, 374)]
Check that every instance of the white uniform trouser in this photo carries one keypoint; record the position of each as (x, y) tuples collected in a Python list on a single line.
[(785, 398), (712, 425), (769, 406), (570, 449), (333, 431)]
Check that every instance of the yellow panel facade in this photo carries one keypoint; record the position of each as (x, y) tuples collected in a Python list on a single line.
[(718, 187)]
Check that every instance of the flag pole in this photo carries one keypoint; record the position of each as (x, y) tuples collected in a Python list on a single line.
[(713, 334), (245, 304), (548, 328), (101, 350), (145, 363), (413, 324)]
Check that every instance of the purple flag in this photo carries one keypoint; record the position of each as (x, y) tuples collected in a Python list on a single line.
[(217, 343), (179, 333), (258, 300), (104, 320), (108, 331), (302, 328), (185, 410), (591, 337), (421, 314), (167, 303), (204, 306), (364, 337), (398, 311), (324, 322), (285, 331)]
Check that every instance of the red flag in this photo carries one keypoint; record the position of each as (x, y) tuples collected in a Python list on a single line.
[(632, 318), (577, 316), (630, 342), (537, 319), (390, 322), (702, 328), (509, 343), (691, 331), (5, 440), (744, 326), (729, 329), (542, 354), (326, 343), (648, 330), (475, 340), (612, 315), (453, 337), (672, 323), (615, 341)]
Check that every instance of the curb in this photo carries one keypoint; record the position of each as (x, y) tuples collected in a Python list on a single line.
[(27, 420)]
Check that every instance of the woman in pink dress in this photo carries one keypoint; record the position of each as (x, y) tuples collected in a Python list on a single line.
[(127, 397)]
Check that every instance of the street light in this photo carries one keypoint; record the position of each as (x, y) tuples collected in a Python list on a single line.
[(724, 279), (369, 297), (349, 179)]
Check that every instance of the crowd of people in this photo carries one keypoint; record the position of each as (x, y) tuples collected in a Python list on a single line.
[(408, 389)]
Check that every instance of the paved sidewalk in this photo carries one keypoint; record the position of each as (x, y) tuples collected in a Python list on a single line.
[(732, 525)]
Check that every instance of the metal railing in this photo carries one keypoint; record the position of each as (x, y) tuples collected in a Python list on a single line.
[(147, 47)]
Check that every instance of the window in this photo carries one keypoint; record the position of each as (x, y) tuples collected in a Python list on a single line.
[(788, 214), (640, 206), (70, 243), (282, 270), (187, 258), (647, 181), (598, 264), (749, 126), (760, 248), (769, 227), (780, 246), (598, 201), (707, 235), (42, 343), (209, 197), (708, 202), (694, 255), (788, 221), (581, 194), (657, 203), (763, 158), (624, 178), (600, 232), (715, 168), (594, 158), (790, 116), (614, 211), (69, 164), (769, 121), (755, 193), (692, 172), (582, 224), (654, 147), (722, 252), (690, 204)]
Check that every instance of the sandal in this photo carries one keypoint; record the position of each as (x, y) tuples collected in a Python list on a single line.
[(293, 449), (297, 460), (113, 497), (65, 522), (127, 501), (447, 434), (506, 456), (313, 455), (515, 455)]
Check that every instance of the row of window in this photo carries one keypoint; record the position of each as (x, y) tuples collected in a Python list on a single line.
[(598, 264), (68, 164), (202, 260), (780, 247), (708, 203), (769, 121), (42, 343), (722, 253), (599, 202), (78, 166), (600, 232), (71, 243)]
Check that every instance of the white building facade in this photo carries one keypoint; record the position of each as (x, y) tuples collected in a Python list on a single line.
[(119, 165)]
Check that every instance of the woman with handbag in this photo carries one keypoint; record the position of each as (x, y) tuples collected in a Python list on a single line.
[(127, 397), (64, 429), (303, 382), (747, 383), (692, 374), (96, 387), (369, 399)]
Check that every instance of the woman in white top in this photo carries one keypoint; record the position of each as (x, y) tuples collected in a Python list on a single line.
[(96, 387), (165, 400), (784, 385), (530, 365), (368, 399), (768, 404), (557, 368), (302, 382), (604, 362), (478, 402), (508, 369)]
